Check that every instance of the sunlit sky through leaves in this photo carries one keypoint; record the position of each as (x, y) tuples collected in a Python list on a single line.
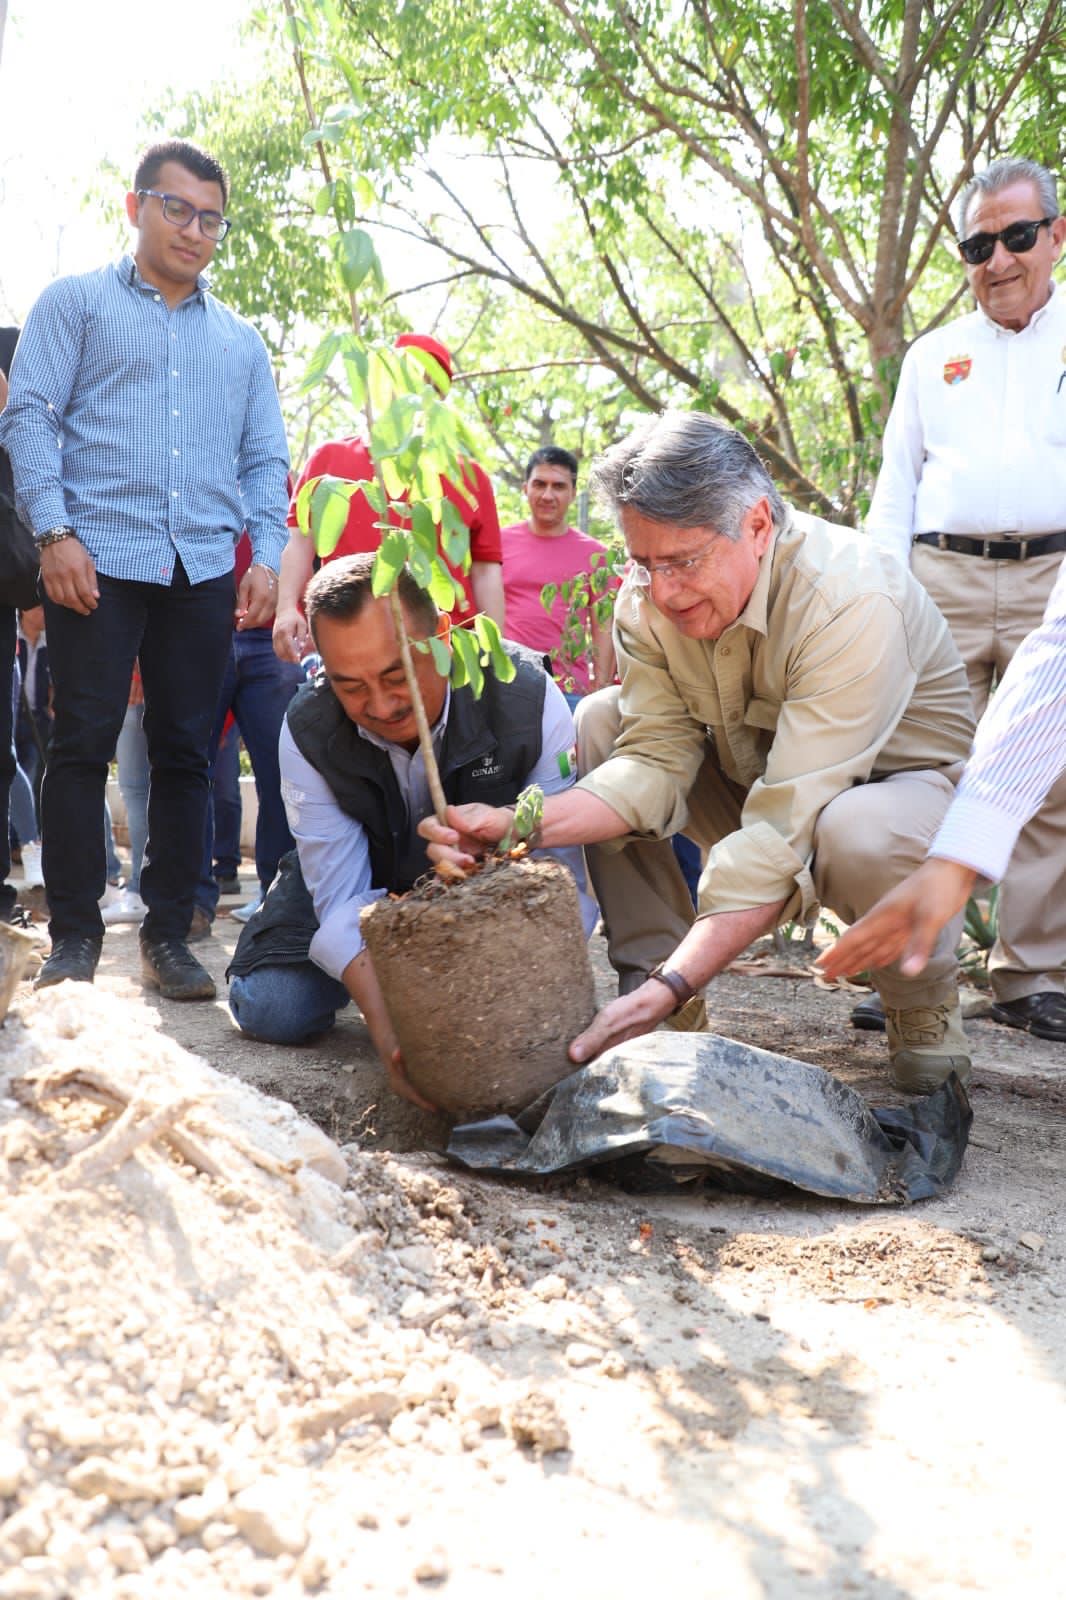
[(76, 78)]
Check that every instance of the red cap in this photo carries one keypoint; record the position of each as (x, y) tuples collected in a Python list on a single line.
[(431, 346)]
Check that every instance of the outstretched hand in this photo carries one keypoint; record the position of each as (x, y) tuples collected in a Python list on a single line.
[(625, 1018), (905, 923), (401, 1084)]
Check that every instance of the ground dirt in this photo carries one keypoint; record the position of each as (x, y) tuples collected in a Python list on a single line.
[(242, 1359)]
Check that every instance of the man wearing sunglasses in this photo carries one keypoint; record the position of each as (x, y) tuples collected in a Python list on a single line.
[(972, 494), (144, 432)]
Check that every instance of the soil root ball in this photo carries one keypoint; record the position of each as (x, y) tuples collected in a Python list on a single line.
[(486, 982)]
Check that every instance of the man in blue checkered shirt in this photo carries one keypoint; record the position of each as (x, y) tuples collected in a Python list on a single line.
[(144, 432)]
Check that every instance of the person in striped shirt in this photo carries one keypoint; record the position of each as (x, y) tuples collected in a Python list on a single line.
[(1019, 753)]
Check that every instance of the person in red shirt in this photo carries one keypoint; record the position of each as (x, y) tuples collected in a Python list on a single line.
[(482, 585)]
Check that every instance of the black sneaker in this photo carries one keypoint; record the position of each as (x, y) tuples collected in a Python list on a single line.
[(1043, 1015), (74, 956), (170, 966), (869, 1014), (230, 885)]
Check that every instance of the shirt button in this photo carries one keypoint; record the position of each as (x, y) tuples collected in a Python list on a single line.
[(734, 716), (173, 494), (157, 297), (176, 452), (725, 649), (173, 372), (175, 413)]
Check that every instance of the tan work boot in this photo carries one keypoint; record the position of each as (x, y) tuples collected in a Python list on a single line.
[(926, 1044)]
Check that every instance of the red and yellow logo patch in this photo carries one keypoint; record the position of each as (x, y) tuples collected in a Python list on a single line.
[(957, 370)]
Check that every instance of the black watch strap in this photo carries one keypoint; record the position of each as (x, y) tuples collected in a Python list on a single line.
[(676, 982)]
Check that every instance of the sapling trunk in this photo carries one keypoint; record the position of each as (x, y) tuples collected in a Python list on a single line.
[(425, 737)]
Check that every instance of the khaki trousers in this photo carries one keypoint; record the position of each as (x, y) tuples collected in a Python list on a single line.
[(990, 606), (866, 841)]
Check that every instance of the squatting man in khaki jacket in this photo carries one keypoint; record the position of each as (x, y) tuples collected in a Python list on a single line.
[(789, 698)]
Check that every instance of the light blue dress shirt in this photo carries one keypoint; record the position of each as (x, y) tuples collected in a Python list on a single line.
[(153, 432)]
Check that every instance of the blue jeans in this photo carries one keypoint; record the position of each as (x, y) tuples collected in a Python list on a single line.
[(226, 805), (180, 633), (23, 810), (257, 688), (132, 754), (7, 764), (690, 861), (286, 1004)]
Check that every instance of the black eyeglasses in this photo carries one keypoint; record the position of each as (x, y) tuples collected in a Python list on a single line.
[(1019, 238), (213, 225)]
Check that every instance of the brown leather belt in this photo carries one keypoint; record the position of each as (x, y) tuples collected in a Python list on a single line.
[(996, 549)]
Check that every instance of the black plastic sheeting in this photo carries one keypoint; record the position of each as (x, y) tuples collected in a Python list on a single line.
[(671, 1109)]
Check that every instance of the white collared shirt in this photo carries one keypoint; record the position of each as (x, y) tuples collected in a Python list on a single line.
[(976, 439), (1019, 752)]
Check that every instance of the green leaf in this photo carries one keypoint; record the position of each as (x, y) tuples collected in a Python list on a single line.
[(320, 362), (388, 564), (442, 656), (466, 654), (354, 253), (421, 567), (303, 503), (549, 595), (491, 642), (443, 589), (424, 528), (455, 536), (329, 512)]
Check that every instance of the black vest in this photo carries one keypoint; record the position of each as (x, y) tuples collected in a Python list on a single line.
[(489, 748)]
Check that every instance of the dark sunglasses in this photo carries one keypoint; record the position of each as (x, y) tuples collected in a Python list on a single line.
[(1019, 238)]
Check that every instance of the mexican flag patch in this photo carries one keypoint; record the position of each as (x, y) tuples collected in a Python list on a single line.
[(567, 760)]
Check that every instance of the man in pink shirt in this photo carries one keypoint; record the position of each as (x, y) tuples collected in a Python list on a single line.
[(545, 549)]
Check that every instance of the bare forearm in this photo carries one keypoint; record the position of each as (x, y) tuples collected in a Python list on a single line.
[(361, 982), (603, 659), (714, 941), (297, 562), (577, 817), (486, 580), (708, 947)]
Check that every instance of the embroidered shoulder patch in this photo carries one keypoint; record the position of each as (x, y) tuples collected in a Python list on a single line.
[(567, 762)]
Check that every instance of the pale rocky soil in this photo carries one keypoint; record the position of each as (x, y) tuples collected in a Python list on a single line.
[(248, 1359)]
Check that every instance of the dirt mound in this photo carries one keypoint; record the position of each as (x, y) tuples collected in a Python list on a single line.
[(212, 1318)]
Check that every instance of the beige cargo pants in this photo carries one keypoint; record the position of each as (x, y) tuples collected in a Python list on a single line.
[(866, 841), (990, 606)]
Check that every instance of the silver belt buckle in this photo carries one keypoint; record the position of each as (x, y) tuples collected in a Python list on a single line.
[(1023, 552), (941, 541), (986, 545)]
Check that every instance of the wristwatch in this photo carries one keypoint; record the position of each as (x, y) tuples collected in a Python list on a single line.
[(676, 982), (54, 535)]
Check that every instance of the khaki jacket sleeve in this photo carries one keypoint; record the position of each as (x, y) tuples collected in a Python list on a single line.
[(661, 746), (849, 681)]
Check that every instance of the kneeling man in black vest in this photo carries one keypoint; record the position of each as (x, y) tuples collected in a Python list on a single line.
[(355, 790)]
